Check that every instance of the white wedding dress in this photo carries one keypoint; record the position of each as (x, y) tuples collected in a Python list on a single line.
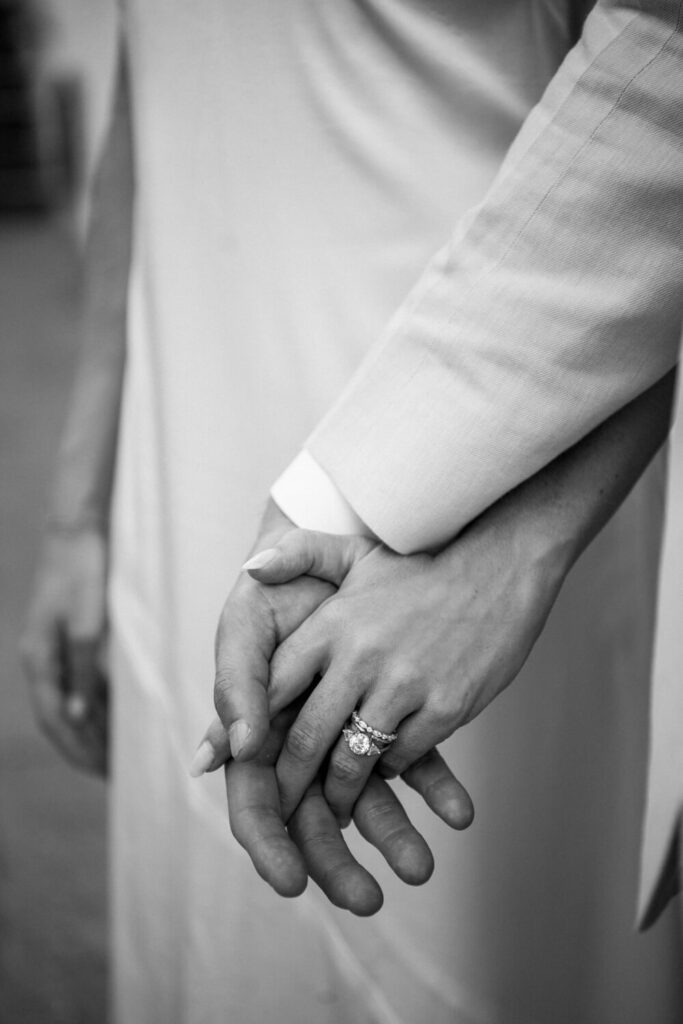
[(298, 162)]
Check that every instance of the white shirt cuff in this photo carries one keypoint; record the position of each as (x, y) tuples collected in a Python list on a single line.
[(307, 495)]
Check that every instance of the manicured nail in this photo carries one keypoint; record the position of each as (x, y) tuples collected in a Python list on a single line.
[(202, 760), (76, 707), (261, 560), (239, 734)]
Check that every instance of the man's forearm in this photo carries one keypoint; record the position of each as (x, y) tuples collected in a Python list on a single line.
[(85, 464)]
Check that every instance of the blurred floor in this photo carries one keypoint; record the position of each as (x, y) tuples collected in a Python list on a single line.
[(52, 820)]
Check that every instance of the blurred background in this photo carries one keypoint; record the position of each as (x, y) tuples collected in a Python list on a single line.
[(56, 59)]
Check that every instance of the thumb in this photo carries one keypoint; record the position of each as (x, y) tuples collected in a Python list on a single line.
[(326, 556), (213, 750)]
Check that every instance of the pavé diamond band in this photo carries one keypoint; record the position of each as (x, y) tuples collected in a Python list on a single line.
[(377, 734), (363, 740)]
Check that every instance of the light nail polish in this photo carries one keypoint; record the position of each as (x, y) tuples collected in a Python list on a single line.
[(261, 560), (239, 734), (202, 760)]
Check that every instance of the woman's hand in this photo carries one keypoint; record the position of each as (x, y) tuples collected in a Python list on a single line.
[(417, 644), (62, 645)]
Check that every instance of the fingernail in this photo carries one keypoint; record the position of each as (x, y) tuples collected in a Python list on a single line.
[(202, 760), (76, 707), (261, 560), (456, 815), (239, 734)]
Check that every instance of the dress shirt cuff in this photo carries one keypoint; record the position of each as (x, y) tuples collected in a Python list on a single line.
[(307, 495)]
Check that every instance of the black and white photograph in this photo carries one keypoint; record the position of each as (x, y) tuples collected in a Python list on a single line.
[(341, 539)]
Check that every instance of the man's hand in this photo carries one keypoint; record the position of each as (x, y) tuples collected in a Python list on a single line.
[(312, 844), (254, 620)]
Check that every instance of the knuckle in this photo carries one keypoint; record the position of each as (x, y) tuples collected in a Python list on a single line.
[(302, 743), (364, 654), (446, 710), (395, 834), (344, 772), (403, 678), (222, 694)]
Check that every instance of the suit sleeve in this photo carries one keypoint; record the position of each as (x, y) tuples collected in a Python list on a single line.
[(555, 302)]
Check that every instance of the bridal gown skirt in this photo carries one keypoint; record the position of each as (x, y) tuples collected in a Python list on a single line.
[(298, 162)]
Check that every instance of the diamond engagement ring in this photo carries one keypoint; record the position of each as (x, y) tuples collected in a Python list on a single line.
[(377, 734), (365, 741)]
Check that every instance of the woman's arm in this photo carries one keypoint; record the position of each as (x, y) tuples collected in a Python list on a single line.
[(66, 618), (555, 302), (83, 478), (423, 643)]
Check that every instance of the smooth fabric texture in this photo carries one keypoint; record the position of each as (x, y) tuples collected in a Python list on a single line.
[(664, 804), (296, 164)]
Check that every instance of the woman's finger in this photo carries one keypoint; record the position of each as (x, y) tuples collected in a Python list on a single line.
[(355, 755), (310, 737), (419, 732), (345, 882), (309, 553), (431, 777), (297, 662), (382, 821)]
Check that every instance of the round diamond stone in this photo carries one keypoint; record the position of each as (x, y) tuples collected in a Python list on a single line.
[(359, 743)]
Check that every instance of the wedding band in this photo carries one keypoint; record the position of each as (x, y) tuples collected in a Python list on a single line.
[(377, 734), (363, 740)]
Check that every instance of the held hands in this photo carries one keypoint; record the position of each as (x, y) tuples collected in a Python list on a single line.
[(311, 844), (418, 644), (255, 621)]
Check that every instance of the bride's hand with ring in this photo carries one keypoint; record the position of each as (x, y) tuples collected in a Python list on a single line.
[(418, 645)]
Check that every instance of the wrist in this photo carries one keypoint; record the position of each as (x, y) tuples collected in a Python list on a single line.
[(541, 538), (533, 541)]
